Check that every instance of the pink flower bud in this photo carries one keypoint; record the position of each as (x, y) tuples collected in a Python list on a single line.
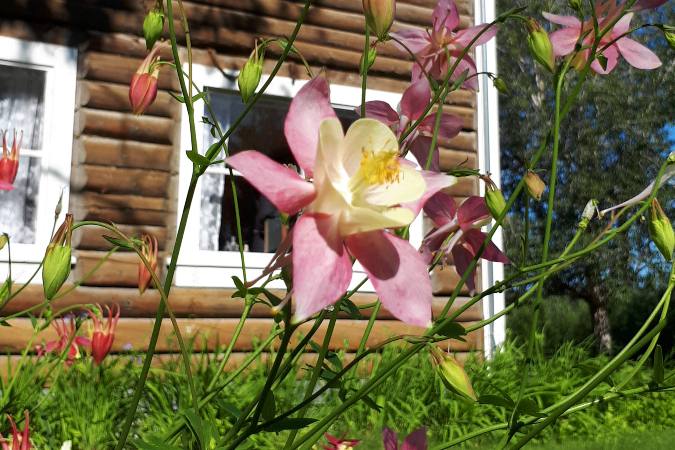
[(149, 251), (143, 87), (9, 163), (380, 15)]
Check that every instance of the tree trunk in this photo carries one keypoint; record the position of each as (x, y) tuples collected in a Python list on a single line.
[(600, 318)]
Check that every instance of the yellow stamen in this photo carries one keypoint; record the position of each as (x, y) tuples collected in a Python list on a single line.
[(380, 168)]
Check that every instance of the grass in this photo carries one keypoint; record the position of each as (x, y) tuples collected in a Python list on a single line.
[(86, 404)]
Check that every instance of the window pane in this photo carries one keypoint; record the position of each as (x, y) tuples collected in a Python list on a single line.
[(262, 130), (18, 208), (22, 102)]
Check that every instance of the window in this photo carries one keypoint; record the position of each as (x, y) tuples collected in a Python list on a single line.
[(37, 98), (210, 253)]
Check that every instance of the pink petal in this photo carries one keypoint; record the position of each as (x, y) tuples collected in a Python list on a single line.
[(568, 21), (82, 341), (622, 26), (475, 239), (281, 185), (612, 55), (564, 41), (415, 99), (419, 147), (381, 111), (415, 40), (450, 125), (441, 209), (445, 15), (398, 273), (637, 54), (322, 268), (463, 257), (472, 211), (309, 107), (417, 440), (434, 182), (389, 439), (464, 37), (648, 4)]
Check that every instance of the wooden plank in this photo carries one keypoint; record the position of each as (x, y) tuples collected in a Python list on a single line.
[(465, 187), (465, 140), (96, 150), (193, 302), (445, 279), (122, 216), (452, 159), (115, 97), (157, 130), (117, 68), (91, 238), (121, 269), (211, 334), (115, 180)]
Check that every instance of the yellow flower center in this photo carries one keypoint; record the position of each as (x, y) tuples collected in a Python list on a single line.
[(379, 168)]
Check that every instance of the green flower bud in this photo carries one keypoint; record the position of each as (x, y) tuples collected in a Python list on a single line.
[(56, 266), (535, 186), (661, 231), (540, 45), (4, 292), (250, 75), (575, 4), (669, 33), (452, 374), (500, 85), (3, 240), (153, 25), (380, 16), (589, 212), (494, 198)]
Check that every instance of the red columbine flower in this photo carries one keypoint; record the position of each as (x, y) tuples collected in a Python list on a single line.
[(67, 340), (335, 443), (417, 440), (102, 336), (150, 251), (143, 87), (430, 46), (9, 164), (19, 441)]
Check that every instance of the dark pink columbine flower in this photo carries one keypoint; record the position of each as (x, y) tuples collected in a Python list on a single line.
[(9, 163), (103, 335), (66, 341), (429, 46), (565, 39), (463, 224), (19, 440), (413, 103), (417, 440), (335, 443)]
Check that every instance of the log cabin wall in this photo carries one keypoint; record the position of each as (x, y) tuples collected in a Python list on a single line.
[(125, 167)]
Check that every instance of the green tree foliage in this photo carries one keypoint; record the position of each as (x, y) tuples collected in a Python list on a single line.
[(612, 142)]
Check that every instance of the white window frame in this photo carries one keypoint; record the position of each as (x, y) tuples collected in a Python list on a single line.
[(60, 66), (204, 268)]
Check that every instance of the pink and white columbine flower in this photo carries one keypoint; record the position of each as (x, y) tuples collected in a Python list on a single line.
[(66, 341), (565, 39), (360, 188), (413, 103), (463, 224), (429, 46), (417, 440)]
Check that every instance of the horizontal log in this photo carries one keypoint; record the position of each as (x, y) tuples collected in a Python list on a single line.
[(212, 334), (100, 151), (115, 180), (115, 97), (465, 140), (120, 269), (98, 200), (193, 302), (122, 216), (91, 238), (157, 130), (119, 69), (445, 279), (453, 159), (465, 187)]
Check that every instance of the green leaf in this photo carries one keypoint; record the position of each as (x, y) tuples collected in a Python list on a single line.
[(289, 423), (178, 98), (658, 365), (351, 309), (529, 406), (452, 330), (496, 400), (198, 159), (154, 443)]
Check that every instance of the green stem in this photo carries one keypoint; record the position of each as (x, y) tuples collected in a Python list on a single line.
[(364, 70), (369, 327)]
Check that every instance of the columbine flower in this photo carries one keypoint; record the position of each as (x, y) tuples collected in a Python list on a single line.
[(380, 16), (19, 441), (463, 224), (150, 251), (565, 40), (430, 46), (66, 341), (143, 86), (361, 187), (335, 443), (417, 440), (413, 103), (102, 336), (9, 163)]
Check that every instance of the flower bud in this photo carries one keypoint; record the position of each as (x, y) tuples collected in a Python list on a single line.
[(4, 292), (9, 163), (661, 231), (540, 45), (250, 74), (535, 186), (500, 85), (3, 240), (588, 213), (153, 25), (379, 15), (150, 250), (452, 374), (143, 86), (56, 265), (669, 33), (494, 199)]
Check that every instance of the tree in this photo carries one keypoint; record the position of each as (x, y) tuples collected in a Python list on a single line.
[(612, 142)]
